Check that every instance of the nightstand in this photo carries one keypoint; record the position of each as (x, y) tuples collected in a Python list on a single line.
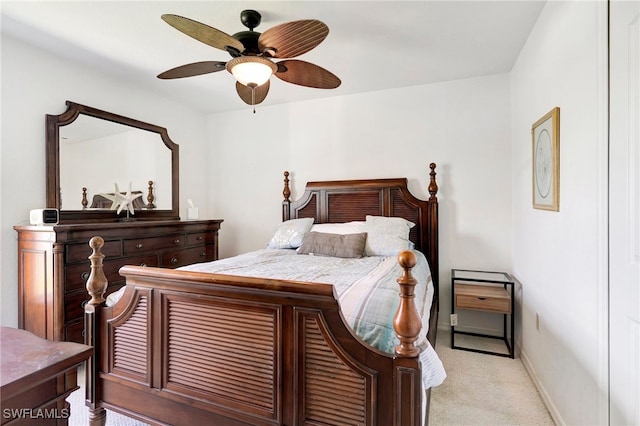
[(485, 291)]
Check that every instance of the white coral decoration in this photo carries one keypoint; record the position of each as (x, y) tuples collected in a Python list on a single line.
[(115, 198), (121, 202), (127, 200)]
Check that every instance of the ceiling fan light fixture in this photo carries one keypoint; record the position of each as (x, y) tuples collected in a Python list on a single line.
[(251, 71)]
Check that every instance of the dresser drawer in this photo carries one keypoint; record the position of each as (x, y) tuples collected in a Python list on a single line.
[(76, 276), (177, 258), (74, 302), (74, 331), (200, 238), (482, 298), (140, 245), (80, 252)]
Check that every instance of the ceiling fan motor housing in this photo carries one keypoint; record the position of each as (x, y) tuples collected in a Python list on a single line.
[(249, 40)]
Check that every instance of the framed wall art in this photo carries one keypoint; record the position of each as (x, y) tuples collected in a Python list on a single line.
[(546, 161)]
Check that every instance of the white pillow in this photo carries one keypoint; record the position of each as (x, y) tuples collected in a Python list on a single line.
[(339, 228), (387, 236), (290, 233)]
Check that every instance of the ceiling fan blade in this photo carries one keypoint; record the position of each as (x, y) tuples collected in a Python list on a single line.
[(190, 70), (204, 33), (292, 39), (252, 99), (306, 74)]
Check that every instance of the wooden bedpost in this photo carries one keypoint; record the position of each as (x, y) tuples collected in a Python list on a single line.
[(433, 186), (84, 202), (96, 286), (286, 203), (97, 282), (406, 322), (433, 232)]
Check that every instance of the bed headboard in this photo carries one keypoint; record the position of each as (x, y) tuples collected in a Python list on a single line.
[(348, 200)]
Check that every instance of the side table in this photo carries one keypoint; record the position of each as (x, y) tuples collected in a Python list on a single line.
[(486, 291), (36, 377)]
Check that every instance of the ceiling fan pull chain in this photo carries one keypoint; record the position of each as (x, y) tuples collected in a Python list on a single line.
[(253, 97)]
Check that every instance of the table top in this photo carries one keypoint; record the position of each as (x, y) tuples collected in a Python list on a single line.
[(481, 276), (27, 360)]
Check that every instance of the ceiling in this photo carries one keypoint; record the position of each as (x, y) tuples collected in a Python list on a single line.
[(371, 46)]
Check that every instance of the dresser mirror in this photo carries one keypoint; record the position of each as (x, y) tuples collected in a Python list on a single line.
[(90, 152)]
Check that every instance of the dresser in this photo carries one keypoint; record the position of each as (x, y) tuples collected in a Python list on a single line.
[(53, 265)]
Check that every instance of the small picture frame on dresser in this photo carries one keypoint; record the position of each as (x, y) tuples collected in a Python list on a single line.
[(546, 161)]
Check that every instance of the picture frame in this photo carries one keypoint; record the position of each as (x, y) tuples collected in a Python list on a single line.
[(545, 135)]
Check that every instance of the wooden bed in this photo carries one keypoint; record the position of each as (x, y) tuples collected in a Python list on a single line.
[(290, 358)]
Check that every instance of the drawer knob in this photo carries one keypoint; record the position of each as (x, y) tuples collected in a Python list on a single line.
[(139, 245), (176, 241), (203, 253), (199, 238), (174, 260), (85, 276)]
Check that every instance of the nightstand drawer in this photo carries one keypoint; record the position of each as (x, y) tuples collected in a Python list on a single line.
[(482, 298)]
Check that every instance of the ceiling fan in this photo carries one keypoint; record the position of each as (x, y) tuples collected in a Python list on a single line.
[(252, 53)]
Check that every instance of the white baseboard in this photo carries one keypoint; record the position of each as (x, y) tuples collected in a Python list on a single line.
[(553, 411)]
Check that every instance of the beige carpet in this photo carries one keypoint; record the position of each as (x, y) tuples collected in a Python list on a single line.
[(479, 390), (484, 389)]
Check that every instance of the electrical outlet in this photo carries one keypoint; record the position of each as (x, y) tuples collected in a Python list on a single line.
[(454, 319), (537, 321)]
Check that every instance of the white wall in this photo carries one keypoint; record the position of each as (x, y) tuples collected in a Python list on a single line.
[(35, 83), (560, 258), (463, 126)]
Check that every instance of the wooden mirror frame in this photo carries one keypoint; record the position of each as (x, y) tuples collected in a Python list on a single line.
[(54, 122)]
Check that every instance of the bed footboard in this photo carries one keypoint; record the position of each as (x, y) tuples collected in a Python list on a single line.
[(193, 348)]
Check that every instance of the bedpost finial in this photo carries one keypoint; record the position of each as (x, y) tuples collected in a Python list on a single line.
[(407, 260), (286, 192), (433, 186), (96, 243), (84, 202), (150, 197), (97, 282), (406, 322)]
